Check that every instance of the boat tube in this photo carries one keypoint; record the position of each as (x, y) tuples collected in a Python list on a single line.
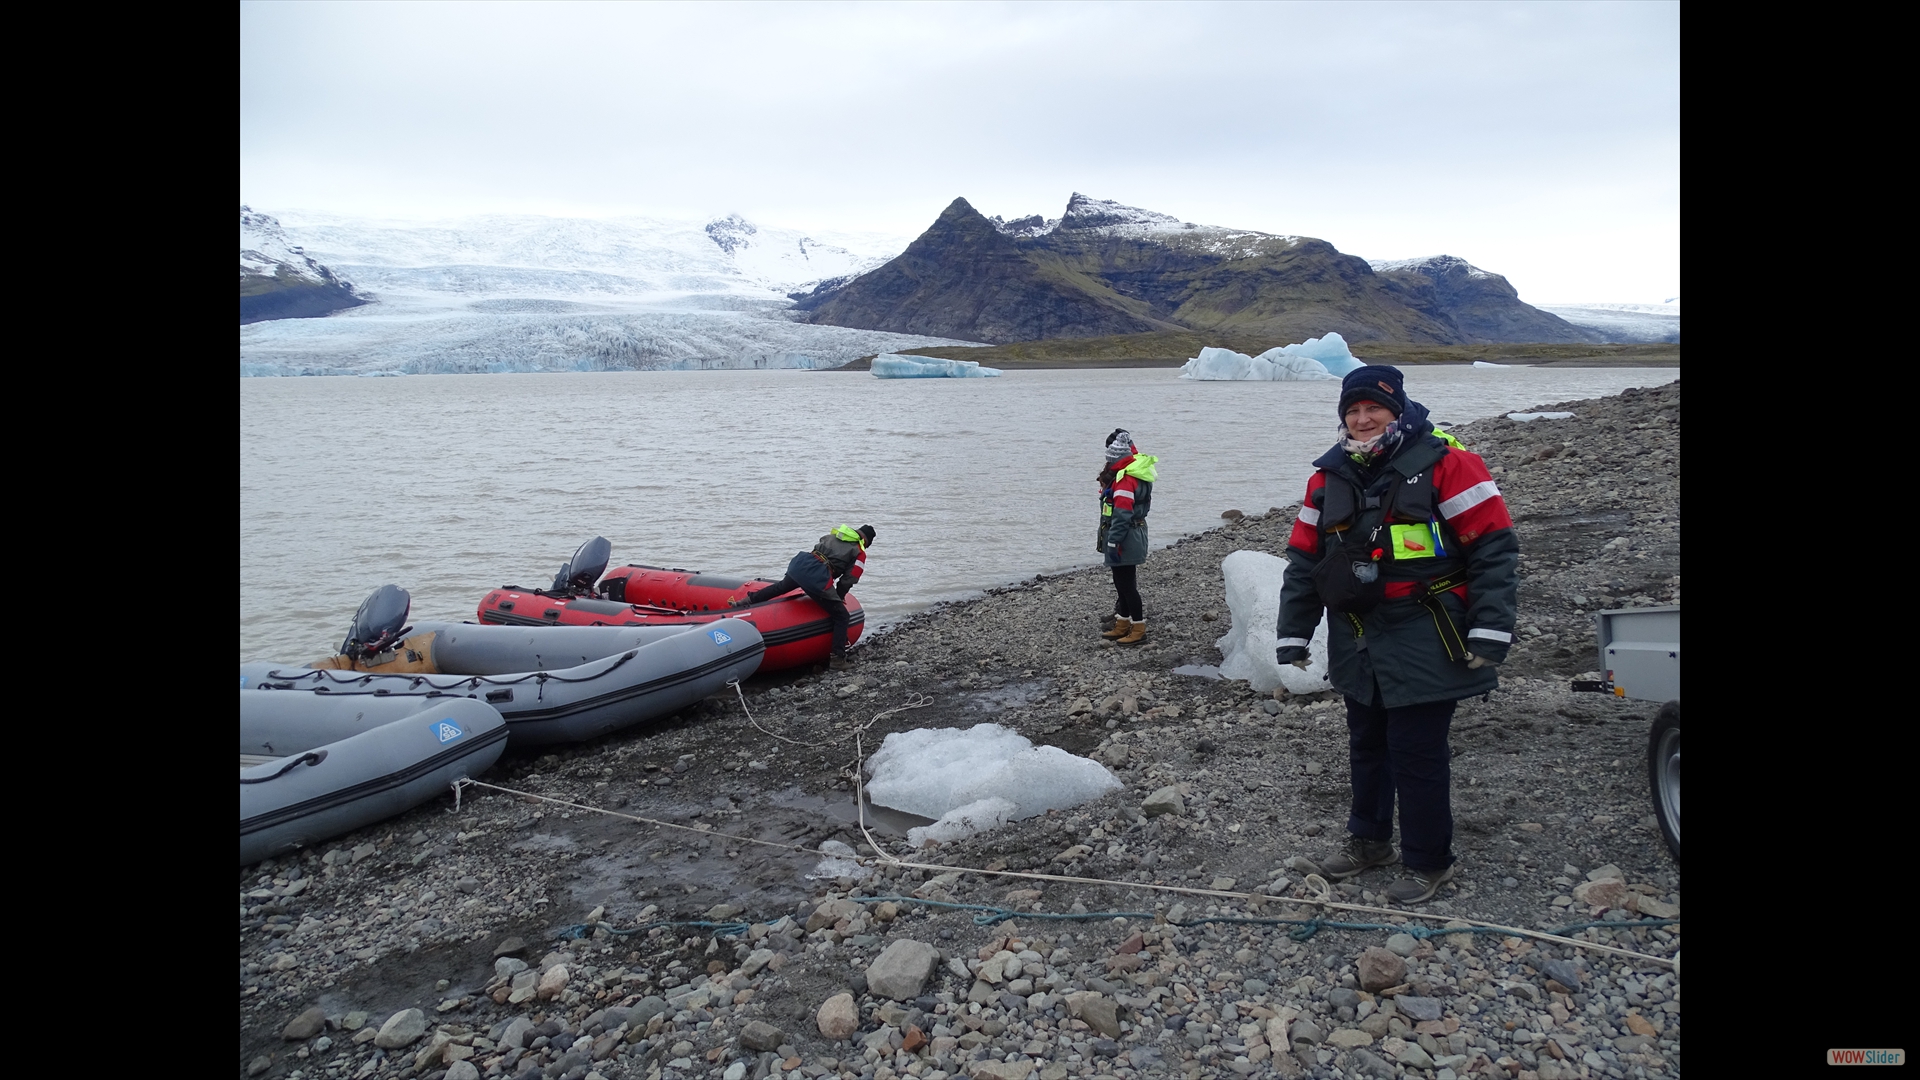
[(310, 770), (796, 631), (545, 704)]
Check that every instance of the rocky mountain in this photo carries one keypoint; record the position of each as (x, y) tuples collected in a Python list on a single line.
[(279, 280), (1103, 268)]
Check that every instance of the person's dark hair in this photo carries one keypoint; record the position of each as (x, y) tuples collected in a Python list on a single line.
[(1106, 476)]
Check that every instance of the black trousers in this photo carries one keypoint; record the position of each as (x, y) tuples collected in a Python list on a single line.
[(1126, 603), (1401, 755), (813, 578)]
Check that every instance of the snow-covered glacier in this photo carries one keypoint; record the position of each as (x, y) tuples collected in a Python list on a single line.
[(522, 293), (1315, 358)]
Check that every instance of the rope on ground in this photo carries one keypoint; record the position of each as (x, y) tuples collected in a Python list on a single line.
[(1322, 892)]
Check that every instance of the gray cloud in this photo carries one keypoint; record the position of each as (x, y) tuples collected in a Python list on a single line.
[(1537, 140)]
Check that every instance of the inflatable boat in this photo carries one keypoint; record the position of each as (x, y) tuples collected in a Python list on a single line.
[(310, 770), (618, 676), (796, 631)]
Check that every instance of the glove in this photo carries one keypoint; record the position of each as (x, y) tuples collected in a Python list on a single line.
[(1475, 663), (843, 589), (1291, 654)]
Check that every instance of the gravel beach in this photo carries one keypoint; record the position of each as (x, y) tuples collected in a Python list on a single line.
[(557, 924)]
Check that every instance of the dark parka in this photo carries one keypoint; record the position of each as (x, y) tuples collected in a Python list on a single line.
[(1403, 644), (1122, 537)]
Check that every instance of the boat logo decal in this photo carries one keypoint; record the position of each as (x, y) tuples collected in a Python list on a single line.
[(720, 637), (447, 730)]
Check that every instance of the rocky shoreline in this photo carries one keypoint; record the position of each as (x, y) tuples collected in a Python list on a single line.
[(440, 944)]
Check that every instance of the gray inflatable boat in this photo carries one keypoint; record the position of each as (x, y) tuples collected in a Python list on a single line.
[(310, 770), (615, 676)]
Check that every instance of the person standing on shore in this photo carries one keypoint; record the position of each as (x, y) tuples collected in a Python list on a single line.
[(1126, 494), (842, 555), (1404, 538)]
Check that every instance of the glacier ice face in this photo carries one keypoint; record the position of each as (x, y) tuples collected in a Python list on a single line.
[(961, 777), (1313, 359), (1253, 580), (895, 366)]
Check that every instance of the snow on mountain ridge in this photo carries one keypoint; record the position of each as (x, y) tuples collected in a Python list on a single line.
[(1428, 264), (266, 251)]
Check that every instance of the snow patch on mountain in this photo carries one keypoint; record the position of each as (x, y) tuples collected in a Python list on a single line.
[(265, 251), (1430, 264)]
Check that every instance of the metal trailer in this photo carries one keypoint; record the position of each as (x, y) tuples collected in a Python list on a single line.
[(1640, 659)]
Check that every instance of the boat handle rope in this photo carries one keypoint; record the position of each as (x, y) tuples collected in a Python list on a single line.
[(314, 757), (473, 681)]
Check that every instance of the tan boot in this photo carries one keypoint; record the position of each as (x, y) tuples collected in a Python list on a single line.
[(1121, 628), (1136, 635)]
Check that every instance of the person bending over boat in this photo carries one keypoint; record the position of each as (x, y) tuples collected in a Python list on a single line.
[(826, 574)]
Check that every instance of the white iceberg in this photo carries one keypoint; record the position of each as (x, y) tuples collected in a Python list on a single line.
[(1253, 599), (1312, 360), (1489, 364), (895, 366), (1530, 417), (961, 778)]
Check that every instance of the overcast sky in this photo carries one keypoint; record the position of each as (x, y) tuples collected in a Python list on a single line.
[(1536, 140)]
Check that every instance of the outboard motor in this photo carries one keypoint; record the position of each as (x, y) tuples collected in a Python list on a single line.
[(578, 574), (380, 624)]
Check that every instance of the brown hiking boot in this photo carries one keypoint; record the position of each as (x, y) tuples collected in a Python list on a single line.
[(1121, 628), (1135, 635)]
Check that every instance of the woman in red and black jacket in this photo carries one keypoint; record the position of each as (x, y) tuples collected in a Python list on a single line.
[(1404, 541)]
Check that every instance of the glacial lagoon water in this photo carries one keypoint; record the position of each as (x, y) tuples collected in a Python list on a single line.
[(450, 485)]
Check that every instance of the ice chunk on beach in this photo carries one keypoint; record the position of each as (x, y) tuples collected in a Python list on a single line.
[(1312, 359), (1530, 417), (944, 773), (895, 366), (1253, 599), (963, 821), (839, 861)]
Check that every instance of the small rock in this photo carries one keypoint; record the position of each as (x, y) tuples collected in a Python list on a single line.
[(902, 970), (838, 1017), (1402, 944), (1418, 1008), (1349, 1039), (761, 1037), (401, 1029), (306, 1025), (1379, 969), (1165, 801)]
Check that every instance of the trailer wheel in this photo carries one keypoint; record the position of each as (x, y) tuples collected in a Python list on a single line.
[(1663, 773)]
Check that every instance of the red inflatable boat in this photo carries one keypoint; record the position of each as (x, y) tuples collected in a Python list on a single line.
[(795, 629)]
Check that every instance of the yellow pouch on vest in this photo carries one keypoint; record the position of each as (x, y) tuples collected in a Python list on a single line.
[(1412, 542)]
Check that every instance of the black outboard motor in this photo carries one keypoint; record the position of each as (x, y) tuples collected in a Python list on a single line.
[(578, 574), (380, 623)]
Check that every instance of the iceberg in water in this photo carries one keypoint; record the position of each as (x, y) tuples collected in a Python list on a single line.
[(895, 366), (1253, 599), (1313, 359), (979, 778)]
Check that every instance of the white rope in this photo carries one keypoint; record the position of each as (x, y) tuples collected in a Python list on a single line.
[(1321, 893)]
